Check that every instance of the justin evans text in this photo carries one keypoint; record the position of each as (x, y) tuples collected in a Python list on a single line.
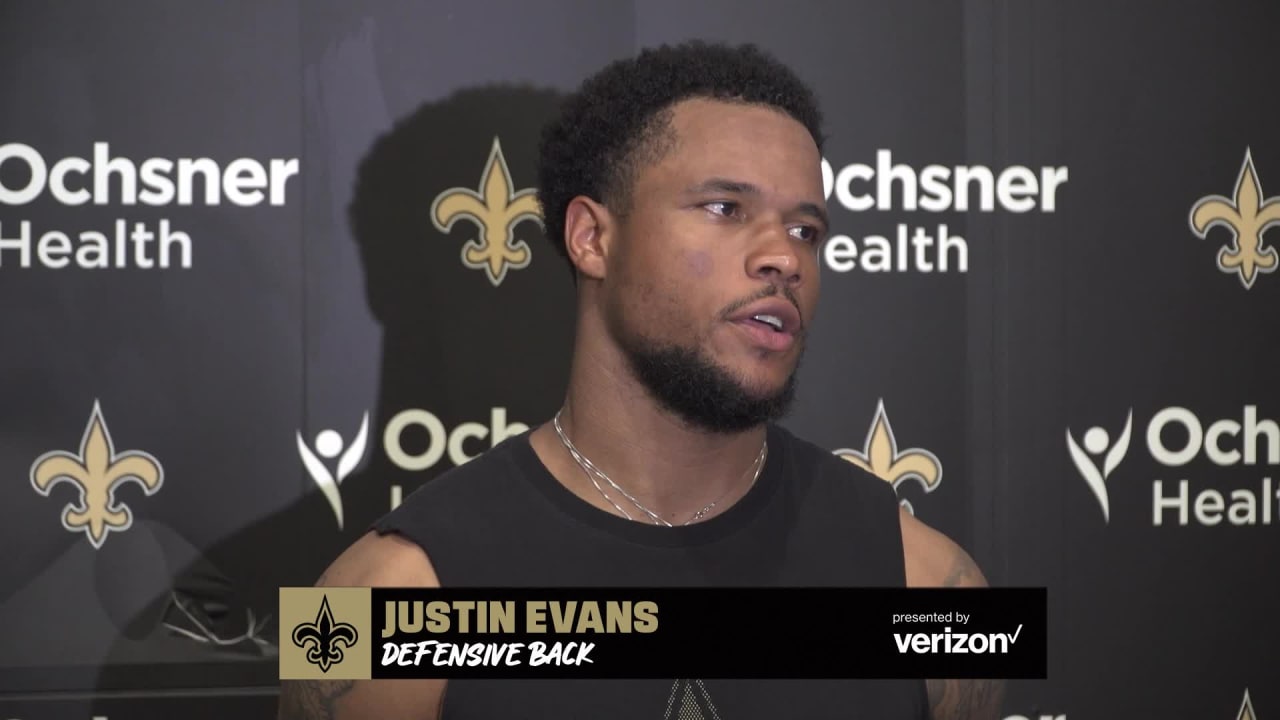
[(524, 616)]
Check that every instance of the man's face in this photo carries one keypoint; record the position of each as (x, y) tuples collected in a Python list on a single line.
[(713, 279)]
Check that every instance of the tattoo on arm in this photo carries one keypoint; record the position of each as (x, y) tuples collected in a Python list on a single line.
[(965, 699), (964, 571), (311, 699)]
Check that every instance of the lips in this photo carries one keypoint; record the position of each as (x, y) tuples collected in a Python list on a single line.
[(770, 323)]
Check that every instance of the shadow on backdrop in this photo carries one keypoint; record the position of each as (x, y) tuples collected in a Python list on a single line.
[(463, 336)]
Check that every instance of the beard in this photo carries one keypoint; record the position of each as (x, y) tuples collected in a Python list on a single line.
[(705, 395)]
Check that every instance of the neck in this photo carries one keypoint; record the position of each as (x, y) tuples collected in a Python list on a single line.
[(673, 469)]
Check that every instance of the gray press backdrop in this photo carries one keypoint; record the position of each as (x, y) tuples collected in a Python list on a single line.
[(1048, 317)]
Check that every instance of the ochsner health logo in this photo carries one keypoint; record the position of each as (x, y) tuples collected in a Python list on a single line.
[(1203, 471), (104, 179), (1097, 445), (889, 185), (329, 445)]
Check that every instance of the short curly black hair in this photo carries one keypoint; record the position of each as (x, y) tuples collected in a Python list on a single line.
[(619, 118)]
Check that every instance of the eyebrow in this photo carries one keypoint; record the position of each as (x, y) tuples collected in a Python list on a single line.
[(726, 185)]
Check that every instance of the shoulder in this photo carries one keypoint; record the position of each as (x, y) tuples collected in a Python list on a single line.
[(932, 559), (479, 475), (811, 463), (392, 551), (477, 493), (378, 559), (935, 560)]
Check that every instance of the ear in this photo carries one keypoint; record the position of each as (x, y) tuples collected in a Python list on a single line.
[(587, 235)]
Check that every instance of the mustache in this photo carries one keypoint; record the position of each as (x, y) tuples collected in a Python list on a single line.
[(771, 290)]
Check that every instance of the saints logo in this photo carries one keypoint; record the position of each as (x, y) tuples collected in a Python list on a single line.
[(881, 457), (495, 211), (97, 472), (324, 639), (1247, 215), (1246, 708)]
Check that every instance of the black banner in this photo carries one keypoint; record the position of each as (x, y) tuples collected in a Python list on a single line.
[(748, 633)]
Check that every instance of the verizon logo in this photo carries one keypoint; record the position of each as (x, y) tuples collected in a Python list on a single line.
[(956, 643)]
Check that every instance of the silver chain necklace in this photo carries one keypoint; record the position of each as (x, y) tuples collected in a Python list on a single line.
[(593, 472)]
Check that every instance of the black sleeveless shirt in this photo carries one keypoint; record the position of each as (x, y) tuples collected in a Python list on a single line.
[(811, 519)]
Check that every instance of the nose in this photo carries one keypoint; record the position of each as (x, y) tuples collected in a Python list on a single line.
[(775, 258)]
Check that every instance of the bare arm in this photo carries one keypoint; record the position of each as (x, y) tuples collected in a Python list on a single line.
[(312, 699), (934, 560), (371, 562)]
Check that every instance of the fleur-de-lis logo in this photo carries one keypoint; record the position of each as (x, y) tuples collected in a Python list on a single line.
[(1247, 215), (324, 639), (881, 457), (97, 472), (495, 211), (1246, 708)]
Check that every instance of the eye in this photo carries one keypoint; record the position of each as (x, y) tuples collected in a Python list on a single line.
[(722, 208), (806, 233)]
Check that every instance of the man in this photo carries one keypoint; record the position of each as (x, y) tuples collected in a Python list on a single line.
[(684, 187)]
